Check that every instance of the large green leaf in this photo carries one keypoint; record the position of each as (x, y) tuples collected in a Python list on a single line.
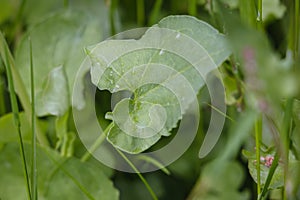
[(58, 50), (163, 70), (58, 177)]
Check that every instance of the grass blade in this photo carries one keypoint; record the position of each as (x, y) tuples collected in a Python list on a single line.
[(14, 105), (270, 176), (20, 89), (258, 135), (33, 122)]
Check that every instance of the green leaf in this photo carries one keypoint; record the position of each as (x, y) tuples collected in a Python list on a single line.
[(58, 41), (278, 177), (163, 70), (8, 130), (58, 177)]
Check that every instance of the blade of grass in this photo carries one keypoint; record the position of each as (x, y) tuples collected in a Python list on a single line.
[(33, 137), (259, 18), (285, 138), (15, 110), (258, 135), (138, 173), (20, 88)]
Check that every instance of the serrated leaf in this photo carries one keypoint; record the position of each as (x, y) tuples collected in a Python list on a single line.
[(163, 70), (58, 177)]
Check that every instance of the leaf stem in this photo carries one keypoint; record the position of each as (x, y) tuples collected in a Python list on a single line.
[(96, 144), (192, 7), (155, 12), (139, 174), (112, 7)]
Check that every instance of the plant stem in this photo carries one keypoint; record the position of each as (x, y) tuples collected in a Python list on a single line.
[(258, 134), (15, 109), (285, 137), (155, 12), (66, 3), (259, 18), (96, 144), (112, 7), (33, 125), (270, 176), (139, 174), (2, 97), (192, 7), (296, 18), (140, 10)]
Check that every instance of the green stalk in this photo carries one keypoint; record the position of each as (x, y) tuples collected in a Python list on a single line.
[(66, 3), (155, 12), (259, 13), (192, 7), (15, 109), (285, 137), (140, 10), (20, 88), (258, 135), (270, 176), (2, 97), (112, 7), (296, 18), (33, 137), (155, 163), (139, 174), (96, 144)]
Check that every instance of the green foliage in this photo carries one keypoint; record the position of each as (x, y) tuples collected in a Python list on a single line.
[(253, 44), (58, 177), (136, 71)]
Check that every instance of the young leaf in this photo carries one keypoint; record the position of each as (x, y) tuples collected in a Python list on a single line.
[(164, 70)]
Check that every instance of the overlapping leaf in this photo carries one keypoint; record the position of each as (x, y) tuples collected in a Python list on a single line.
[(163, 70)]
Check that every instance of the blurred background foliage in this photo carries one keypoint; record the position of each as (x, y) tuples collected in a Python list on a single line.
[(261, 75)]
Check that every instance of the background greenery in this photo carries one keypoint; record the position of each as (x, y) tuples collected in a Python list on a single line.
[(261, 79)]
